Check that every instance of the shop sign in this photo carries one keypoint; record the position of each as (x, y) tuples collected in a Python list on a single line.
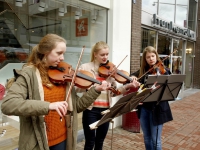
[(157, 22), (82, 27)]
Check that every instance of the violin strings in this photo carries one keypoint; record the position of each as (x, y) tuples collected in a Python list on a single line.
[(115, 68)]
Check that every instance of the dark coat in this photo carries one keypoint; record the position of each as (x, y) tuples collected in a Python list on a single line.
[(161, 111)]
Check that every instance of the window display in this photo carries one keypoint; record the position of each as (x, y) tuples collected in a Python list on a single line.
[(176, 65), (22, 27)]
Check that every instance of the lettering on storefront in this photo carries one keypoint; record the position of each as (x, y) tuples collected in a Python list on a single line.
[(171, 27)]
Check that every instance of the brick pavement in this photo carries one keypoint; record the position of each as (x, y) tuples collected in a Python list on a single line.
[(183, 133)]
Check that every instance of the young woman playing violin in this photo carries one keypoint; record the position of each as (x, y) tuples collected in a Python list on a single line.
[(152, 116), (94, 139), (40, 103)]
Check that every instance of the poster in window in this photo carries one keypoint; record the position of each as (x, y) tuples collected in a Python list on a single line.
[(82, 27)]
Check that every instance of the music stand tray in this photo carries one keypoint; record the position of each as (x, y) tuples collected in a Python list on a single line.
[(151, 79)]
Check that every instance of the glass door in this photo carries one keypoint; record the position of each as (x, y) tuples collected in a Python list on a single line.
[(164, 47), (189, 64), (177, 57)]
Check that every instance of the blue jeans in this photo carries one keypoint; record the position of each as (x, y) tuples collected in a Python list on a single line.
[(94, 138), (152, 133), (59, 146)]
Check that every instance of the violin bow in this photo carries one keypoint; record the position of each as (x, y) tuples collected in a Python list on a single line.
[(115, 68), (156, 64), (74, 76)]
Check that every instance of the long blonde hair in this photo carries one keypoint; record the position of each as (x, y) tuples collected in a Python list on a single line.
[(37, 56), (97, 47), (144, 64)]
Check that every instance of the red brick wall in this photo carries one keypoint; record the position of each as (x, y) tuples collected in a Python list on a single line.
[(196, 77), (135, 36)]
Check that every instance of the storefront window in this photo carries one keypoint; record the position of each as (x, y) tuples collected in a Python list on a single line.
[(148, 38), (11, 48), (163, 45), (182, 2), (23, 25), (177, 56), (164, 48), (167, 10), (181, 15), (168, 1), (189, 64), (192, 15), (150, 6), (181, 12)]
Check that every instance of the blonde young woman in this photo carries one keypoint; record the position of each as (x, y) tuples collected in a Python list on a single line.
[(152, 116), (39, 103), (95, 138)]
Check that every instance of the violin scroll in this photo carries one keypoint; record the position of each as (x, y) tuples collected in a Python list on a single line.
[(115, 91)]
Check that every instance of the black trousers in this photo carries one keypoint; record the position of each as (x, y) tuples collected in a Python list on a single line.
[(94, 138), (59, 146)]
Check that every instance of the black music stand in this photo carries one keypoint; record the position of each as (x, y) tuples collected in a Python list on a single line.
[(174, 84), (169, 89), (124, 105), (170, 86), (156, 94), (134, 101)]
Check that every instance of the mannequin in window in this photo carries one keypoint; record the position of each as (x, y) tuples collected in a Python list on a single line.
[(178, 65)]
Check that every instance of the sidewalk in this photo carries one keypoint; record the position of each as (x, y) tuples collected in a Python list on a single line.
[(183, 133)]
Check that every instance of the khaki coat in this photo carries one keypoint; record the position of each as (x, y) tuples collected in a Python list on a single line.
[(25, 99)]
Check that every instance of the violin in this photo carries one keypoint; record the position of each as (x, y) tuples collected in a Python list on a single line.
[(109, 69), (64, 73), (158, 68)]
